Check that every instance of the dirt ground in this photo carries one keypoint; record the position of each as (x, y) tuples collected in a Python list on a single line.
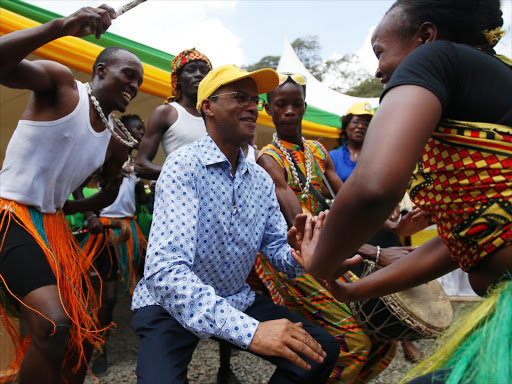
[(248, 369)]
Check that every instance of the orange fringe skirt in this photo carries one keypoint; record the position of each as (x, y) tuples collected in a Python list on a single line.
[(71, 269)]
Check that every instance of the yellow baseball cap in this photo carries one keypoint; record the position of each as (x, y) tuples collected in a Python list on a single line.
[(363, 108), (266, 80)]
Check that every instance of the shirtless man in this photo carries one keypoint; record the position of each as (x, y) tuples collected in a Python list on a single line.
[(177, 122), (59, 141)]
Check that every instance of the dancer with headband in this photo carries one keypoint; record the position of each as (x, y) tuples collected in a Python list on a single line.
[(177, 122), (446, 115), (65, 133)]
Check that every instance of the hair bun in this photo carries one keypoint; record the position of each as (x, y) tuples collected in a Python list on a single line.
[(488, 14)]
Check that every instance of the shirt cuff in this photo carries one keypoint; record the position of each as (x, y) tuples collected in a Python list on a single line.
[(299, 271), (239, 329)]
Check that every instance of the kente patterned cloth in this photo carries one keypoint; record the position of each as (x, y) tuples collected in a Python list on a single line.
[(310, 205), (178, 62), (464, 178), (361, 359)]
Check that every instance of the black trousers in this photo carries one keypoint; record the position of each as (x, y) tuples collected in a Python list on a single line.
[(166, 348)]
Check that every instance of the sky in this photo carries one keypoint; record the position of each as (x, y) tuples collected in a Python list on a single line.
[(243, 31)]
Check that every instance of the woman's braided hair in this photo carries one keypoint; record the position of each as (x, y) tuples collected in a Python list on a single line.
[(459, 21)]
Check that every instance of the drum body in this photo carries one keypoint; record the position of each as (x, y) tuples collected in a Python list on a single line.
[(417, 313)]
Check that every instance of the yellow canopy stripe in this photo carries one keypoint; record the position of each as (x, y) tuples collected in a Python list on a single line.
[(79, 54)]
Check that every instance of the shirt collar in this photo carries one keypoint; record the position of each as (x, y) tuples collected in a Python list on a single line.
[(211, 154)]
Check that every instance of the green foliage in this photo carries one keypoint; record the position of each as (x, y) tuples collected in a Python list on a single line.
[(265, 62), (345, 74), (367, 88), (308, 50)]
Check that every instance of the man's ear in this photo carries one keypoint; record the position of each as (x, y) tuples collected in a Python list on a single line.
[(428, 32), (206, 107), (101, 70), (267, 109), (305, 106)]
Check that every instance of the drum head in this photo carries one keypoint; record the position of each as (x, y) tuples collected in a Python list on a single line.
[(428, 304)]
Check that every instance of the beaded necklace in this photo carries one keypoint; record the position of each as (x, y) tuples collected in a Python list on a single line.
[(131, 142), (308, 155)]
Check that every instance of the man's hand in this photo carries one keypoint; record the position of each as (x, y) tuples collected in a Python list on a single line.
[(296, 233), (308, 243), (413, 222), (286, 339), (88, 21), (94, 225), (392, 254), (308, 239)]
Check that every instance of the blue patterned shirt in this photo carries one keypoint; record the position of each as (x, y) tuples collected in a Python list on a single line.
[(207, 229)]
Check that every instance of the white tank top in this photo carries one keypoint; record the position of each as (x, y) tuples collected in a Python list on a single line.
[(47, 160), (251, 154), (124, 205), (185, 130)]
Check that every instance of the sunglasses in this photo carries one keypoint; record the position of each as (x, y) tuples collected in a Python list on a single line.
[(357, 122), (297, 78), (244, 99)]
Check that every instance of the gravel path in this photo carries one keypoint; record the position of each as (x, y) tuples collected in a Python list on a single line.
[(249, 369)]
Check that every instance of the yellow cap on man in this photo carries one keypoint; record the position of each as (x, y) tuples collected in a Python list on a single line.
[(266, 80)]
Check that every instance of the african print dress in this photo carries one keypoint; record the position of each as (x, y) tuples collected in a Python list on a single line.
[(464, 178), (361, 359)]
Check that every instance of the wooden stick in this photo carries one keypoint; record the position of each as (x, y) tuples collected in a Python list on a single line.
[(125, 8), (105, 227), (115, 240)]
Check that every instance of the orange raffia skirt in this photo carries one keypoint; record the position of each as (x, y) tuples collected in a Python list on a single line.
[(71, 270)]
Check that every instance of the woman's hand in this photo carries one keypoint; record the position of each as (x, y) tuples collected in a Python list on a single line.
[(413, 222), (340, 291), (392, 254)]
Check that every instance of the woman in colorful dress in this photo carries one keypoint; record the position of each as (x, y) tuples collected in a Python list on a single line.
[(446, 114)]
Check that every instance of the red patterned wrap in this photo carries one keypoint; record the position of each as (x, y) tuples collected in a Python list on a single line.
[(464, 178)]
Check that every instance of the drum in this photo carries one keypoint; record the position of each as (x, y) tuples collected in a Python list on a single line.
[(417, 313)]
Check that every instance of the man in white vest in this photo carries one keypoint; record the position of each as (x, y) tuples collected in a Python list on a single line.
[(65, 133), (177, 122)]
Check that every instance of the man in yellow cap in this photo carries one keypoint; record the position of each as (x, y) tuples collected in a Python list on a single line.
[(214, 211)]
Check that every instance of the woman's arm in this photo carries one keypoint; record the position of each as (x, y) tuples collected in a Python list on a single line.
[(397, 134), (426, 263)]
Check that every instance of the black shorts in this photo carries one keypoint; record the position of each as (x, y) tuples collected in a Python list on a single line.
[(23, 263), (107, 264)]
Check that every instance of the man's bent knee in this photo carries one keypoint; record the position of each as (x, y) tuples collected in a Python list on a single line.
[(332, 349)]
